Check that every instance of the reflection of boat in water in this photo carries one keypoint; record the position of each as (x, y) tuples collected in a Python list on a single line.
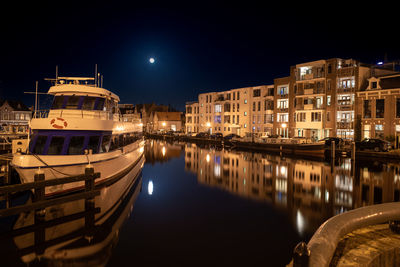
[(80, 232), (82, 127)]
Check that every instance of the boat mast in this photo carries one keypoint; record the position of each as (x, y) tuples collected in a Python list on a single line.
[(36, 98)]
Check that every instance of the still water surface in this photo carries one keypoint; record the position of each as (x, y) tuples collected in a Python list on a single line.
[(206, 206)]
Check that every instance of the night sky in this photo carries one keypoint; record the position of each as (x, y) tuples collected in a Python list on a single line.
[(197, 49)]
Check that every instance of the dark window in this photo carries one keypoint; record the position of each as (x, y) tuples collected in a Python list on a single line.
[(58, 102), (256, 92), (56, 145), (76, 145), (105, 143), (73, 102), (88, 103), (99, 104), (380, 108), (374, 85), (367, 109), (398, 108), (39, 145), (121, 140), (94, 144), (114, 143)]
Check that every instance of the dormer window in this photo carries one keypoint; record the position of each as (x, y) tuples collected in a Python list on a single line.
[(374, 85)]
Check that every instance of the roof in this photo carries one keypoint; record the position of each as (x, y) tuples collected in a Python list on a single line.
[(15, 105), (73, 88), (168, 116), (390, 82)]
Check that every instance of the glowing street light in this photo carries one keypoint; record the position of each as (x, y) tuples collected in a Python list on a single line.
[(208, 124), (163, 123)]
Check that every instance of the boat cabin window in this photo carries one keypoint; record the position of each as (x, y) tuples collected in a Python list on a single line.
[(99, 104), (58, 102), (105, 144), (72, 102), (114, 143), (88, 103), (56, 145), (76, 145), (68, 143), (94, 144), (39, 144)]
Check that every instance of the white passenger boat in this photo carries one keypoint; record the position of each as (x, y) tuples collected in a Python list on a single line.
[(83, 126)]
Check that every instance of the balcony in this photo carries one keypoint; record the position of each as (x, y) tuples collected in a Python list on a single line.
[(308, 106), (344, 107), (344, 125), (282, 109), (308, 91), (314, 75), (345, 90)]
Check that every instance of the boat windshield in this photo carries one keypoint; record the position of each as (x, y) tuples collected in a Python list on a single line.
[(78, 102)]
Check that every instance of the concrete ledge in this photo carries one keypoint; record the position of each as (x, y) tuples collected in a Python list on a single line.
[(374, 245)]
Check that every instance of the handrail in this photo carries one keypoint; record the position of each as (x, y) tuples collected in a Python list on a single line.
[(78, 113), (323, 243)]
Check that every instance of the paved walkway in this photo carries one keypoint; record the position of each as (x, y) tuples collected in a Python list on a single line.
[(375, 245)]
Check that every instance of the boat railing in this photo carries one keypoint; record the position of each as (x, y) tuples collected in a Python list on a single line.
[(78, 114)]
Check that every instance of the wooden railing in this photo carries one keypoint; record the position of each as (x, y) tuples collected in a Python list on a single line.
[(38, 187)]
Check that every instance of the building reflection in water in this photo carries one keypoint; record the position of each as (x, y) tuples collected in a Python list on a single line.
[(311, 191), (161, 151)]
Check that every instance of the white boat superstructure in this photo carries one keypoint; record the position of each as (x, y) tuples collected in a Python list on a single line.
[(82, 127)]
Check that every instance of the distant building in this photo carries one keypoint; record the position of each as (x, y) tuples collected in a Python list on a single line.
[(14, 117), (128, 112), (145, 111), (379, 108), (166, 121)]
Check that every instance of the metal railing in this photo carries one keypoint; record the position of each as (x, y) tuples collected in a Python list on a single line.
[(76, 113), (322, 246)]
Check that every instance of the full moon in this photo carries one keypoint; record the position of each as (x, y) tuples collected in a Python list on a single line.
[(151, 60)]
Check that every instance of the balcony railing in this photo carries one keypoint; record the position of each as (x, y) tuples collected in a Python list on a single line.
[(344, 125)]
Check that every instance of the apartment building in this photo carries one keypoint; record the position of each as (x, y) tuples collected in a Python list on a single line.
[(317, 100)]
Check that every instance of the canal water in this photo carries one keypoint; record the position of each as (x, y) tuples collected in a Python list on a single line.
[(207, 206)]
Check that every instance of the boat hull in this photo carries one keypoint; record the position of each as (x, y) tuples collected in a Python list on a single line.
[(109, 165), (115, 203)]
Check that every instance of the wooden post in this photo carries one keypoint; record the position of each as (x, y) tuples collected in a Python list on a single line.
[(7, 178), (89, 183), (39, 192), (333, 152), (39, 217)]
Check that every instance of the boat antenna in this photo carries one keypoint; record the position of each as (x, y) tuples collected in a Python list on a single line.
[(101, 81), (95, 75), (56, 74), (36, 98)]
